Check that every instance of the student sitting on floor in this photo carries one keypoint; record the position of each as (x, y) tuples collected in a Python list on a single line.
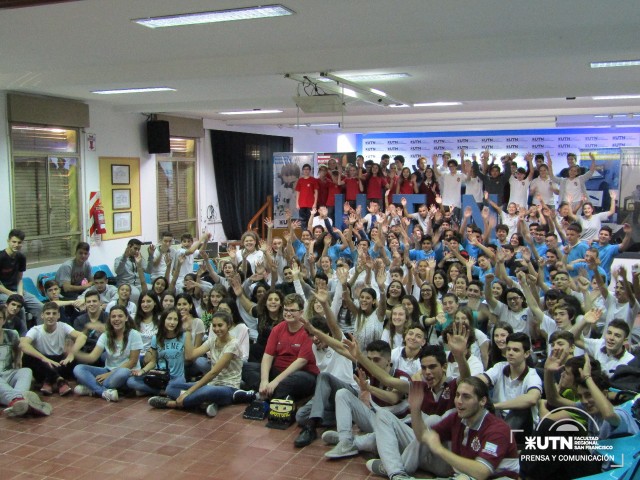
[(166, 350), (122, 345), (217, 386), (47, 353), (15, 382)]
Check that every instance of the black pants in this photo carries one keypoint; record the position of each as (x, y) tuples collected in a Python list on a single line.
[(43, 372), (298, 385)]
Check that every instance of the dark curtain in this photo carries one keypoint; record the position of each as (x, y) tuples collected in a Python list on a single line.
[(243, 167)]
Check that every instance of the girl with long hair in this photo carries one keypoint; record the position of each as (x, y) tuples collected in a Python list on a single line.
[(166, 351), (217, 386), (122, 345), (146, 319)]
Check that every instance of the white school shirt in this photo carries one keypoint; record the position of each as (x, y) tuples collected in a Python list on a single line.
[(519, 191), (49, 343), (451, 188), (544, 188)]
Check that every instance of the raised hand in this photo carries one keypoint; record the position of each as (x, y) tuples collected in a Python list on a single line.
[(268, 222), (592, 316), (586, 370), (457, 342), (556, 360)]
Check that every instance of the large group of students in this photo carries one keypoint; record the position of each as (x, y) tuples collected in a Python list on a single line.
[(432, 335)]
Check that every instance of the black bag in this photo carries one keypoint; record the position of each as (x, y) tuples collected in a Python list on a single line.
[(256, 410), (626, 377), (157, 378)]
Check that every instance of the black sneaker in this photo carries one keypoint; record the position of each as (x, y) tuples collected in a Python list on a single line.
[(244, 396), (307, 435)]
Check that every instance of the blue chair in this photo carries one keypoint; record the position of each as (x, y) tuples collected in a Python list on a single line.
[(30, 287), (102, 268)]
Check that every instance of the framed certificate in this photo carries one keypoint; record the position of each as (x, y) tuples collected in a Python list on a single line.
[(121, 222), (120, 174), (121, 198)]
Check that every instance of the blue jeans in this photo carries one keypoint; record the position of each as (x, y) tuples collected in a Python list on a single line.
[(86, 375), (137, 384), (220, 395)]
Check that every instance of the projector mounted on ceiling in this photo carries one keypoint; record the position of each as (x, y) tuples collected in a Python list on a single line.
[(320, 103)]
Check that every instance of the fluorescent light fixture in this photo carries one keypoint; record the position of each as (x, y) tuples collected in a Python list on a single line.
[(437, 104), (632, 125), (249, 13), (39, 129), (601, 116), (374, 77), (617, 97), (616, 63), (399, 105), (378, 92), (314, 125), (349, 92), (249, 112), (134, 90)]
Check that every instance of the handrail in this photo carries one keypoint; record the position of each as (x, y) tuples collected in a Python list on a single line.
[(265, 211)]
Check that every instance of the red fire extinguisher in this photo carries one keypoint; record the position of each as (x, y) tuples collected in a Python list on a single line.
[(98, 219)]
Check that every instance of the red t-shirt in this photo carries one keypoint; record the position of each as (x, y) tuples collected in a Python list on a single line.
[(352, 188), (306, 188), (491, 444), (406, 187), (375, 186), (323, 191), (286, 347), (334, 189)]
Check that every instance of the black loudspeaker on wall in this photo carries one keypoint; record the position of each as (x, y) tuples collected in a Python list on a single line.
[(158, 136)]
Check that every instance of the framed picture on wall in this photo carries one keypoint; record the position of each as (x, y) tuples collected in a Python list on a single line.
[(121, 222), (121, 198), (120, 174)]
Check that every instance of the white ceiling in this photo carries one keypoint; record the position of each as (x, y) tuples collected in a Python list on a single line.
[(512, 63)]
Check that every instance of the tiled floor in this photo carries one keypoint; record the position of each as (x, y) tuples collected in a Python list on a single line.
[(89, 438)]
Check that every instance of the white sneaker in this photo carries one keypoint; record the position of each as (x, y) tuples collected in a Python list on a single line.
[(212, 410), (37, 406), (330, 437), (110, 395), (342, 450), (82, 390)]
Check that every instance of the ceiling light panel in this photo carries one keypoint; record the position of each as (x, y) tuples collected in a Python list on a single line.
[(437, 104), (249, 112), (375, 77), (249, 13), (616, 63), (134, 90), (617, 97)]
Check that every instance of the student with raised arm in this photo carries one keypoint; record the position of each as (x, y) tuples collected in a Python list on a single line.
[(481, 444), (520, 183), (369, 315), (393, 436), (609, 350), (516, 387), (514, 312), (129, 268), (336, 372), (574, 186), (161, 257)]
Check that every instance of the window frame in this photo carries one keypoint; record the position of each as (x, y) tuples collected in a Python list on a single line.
[(47, 155), (179, 159)]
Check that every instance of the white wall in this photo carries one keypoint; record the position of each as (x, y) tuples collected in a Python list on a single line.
[(123, 135)]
